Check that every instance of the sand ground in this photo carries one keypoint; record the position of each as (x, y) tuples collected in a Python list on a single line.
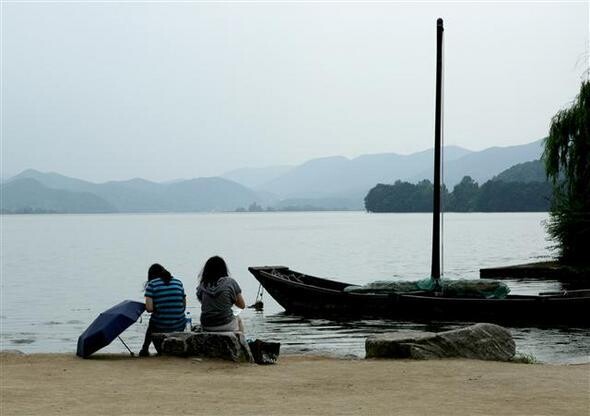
[(49, 384)]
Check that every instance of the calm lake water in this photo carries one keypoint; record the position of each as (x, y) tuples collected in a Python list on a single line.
[(60, 271)]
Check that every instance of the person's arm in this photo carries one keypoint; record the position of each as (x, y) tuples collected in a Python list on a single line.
[(184, 301), (149, 304), (240, 303)]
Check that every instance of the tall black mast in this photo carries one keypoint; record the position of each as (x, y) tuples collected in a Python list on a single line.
[(435, 272)]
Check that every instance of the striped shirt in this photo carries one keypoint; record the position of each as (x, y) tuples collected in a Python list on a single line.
[(168, 315)]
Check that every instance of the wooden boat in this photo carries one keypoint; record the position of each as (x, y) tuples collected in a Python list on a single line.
[(307, 295), (311, 296)]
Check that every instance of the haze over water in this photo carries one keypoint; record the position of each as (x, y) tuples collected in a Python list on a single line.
[(60, 271)]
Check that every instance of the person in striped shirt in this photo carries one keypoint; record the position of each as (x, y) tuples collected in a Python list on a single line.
[(166, 300)]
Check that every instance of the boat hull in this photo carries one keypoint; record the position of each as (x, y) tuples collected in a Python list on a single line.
[(311, 296)]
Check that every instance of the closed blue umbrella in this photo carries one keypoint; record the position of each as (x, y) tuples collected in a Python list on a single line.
[(108, 326)]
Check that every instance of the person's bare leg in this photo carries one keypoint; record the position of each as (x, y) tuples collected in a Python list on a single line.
[(147, 341), (240, 325)]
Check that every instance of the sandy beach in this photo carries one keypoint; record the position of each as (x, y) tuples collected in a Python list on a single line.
[(297, 385)]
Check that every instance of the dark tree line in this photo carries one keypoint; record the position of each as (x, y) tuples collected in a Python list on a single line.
[(467, 196)]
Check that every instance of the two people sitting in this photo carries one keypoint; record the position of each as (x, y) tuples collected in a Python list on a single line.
[(166, 300)]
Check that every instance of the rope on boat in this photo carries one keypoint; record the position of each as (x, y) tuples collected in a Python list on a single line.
[(259, 304), (259, 293)]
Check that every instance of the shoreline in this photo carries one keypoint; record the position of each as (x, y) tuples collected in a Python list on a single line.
[(297, 384)]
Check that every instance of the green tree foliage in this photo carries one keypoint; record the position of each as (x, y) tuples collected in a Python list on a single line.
[(567, 162), (400, 197), (500, 196), (533, 171), (464, 196), (467, 196)]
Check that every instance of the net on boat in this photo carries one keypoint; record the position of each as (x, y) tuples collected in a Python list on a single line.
[(473, 288)]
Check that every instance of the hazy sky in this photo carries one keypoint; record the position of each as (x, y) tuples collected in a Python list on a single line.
[(178, 90)]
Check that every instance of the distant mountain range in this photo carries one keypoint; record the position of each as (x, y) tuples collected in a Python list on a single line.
[(533, 171), (256, 177), (28, 195), (487, 163), (52, 192), (326, 183), (341, 183)]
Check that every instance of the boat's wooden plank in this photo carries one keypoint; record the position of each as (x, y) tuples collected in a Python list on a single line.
[(568, 293), (541, 270)]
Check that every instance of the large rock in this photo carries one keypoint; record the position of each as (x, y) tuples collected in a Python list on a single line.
[(225, 345), (480, 341)]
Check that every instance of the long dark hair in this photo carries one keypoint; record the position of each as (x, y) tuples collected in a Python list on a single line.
[(213, 270), (158, 271)]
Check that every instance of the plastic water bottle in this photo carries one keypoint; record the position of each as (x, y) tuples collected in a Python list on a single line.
[(189, 322)]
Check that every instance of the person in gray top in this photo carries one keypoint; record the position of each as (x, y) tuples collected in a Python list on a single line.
[(217, 293)]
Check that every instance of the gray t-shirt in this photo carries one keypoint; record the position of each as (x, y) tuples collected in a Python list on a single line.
[(217, 300)]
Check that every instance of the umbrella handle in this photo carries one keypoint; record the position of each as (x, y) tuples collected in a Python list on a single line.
[(130, 352)]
